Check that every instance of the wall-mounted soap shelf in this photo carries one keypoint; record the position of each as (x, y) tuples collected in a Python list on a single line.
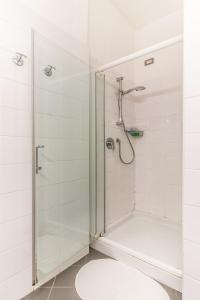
[(135, 132)]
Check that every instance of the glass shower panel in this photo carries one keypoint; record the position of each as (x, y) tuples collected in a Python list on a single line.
[(61, 156)]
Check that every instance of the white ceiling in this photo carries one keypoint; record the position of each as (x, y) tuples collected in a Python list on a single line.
[(142, 12)]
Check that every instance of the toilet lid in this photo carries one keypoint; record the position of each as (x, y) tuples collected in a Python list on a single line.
[(107, 279)]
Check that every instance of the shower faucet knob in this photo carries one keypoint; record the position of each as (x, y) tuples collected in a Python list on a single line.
[(110, 144)]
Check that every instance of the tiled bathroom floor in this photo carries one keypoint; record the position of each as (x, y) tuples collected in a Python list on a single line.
[(62, 287)]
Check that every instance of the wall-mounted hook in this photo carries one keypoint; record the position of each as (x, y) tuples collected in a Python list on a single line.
[(18, 59), (48, 70)]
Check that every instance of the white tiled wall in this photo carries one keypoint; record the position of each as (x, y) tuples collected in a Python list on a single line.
[(158, 112), (108, 26), (119, 177), (191, 162), (16, 140), (158, 163), (15, 165)]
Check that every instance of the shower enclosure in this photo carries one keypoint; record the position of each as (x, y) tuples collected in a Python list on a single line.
[(139, 210), (61, 159), (135, 209)]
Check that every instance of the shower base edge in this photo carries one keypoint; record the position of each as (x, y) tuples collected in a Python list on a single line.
[(171, 279)]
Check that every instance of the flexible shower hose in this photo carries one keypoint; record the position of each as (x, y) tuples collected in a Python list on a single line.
[(119, 142)]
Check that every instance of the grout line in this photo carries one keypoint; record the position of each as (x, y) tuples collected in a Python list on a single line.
[(51, 288), (15, 108), (16, 219), (63, 287)]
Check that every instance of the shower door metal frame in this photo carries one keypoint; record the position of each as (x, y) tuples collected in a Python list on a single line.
[(100, 218), (34, 240), (131, 57)]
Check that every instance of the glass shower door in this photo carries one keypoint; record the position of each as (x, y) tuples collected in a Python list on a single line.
[(61, 88)]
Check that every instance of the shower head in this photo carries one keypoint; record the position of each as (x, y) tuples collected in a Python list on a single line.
[(137, 89), (140, 88)]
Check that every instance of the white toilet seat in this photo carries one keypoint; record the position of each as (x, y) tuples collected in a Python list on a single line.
[(107, 279)]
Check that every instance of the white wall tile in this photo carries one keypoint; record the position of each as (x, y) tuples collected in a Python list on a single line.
[(192, 259), (119, 185), (15, 150), (15, 261), (15, 165), (14, 95), (15, 205), (191, 222), (17, 286), (14, 122), (102, 32), (191, 150), (15, 177), (14, 39), (191, 115), (191, 288), (158, 112), (191, 45), (191, 179), (191, 162), (15, 233)]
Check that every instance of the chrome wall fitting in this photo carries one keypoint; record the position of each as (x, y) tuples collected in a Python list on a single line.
[(110, 144), (18, 59), (48, 70)]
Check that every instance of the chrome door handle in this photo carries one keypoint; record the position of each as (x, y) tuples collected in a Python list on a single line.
[(37, 167)]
